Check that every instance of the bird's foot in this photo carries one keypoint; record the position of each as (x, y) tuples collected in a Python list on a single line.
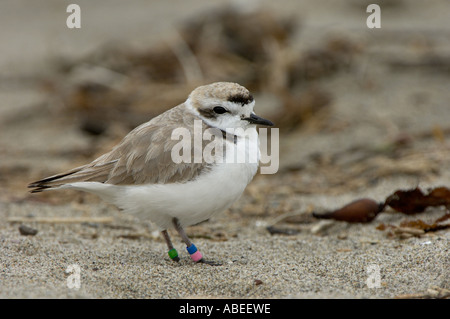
[(173, 254), (197, 256)]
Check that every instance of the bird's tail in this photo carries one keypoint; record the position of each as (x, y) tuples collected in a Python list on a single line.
[(98, 172), (54, 181)]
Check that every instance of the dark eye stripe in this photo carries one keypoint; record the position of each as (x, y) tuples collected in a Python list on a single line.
[(208, 113), (219, 110)]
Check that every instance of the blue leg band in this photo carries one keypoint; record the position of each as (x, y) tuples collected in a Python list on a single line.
[(191, 249)]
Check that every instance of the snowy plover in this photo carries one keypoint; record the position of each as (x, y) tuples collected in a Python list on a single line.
[(140, 176)]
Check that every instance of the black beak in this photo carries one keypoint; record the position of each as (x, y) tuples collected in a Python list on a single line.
[(255, 119)]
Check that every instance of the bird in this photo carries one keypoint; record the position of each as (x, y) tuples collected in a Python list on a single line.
[(142, 174)]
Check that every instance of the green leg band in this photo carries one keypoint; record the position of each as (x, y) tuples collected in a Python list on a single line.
[(173, 253)]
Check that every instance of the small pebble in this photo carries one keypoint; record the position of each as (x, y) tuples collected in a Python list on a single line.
[(258, 282), (27, 231), (342, 236)]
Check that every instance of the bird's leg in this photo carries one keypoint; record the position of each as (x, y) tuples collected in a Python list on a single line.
[(196, 255), (192, 250), (173, 254)]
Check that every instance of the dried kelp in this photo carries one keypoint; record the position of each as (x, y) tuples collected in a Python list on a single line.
[(408, 202)]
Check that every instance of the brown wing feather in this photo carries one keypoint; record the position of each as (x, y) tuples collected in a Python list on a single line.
[(143, 156)]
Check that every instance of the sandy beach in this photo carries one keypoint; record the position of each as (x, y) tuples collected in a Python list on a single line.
[(375, 119)]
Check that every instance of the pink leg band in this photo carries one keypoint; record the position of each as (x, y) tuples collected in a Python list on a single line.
[(196, 256)]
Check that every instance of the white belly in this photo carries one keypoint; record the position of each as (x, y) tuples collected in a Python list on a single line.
[(192, 202)]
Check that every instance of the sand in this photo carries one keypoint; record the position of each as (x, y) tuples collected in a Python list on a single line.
[(122, 256)]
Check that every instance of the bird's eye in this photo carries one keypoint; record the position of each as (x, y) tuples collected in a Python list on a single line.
[(220, 110)]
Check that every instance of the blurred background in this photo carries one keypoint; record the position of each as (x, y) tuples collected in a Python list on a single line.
[(356, 107), (361, 112)]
